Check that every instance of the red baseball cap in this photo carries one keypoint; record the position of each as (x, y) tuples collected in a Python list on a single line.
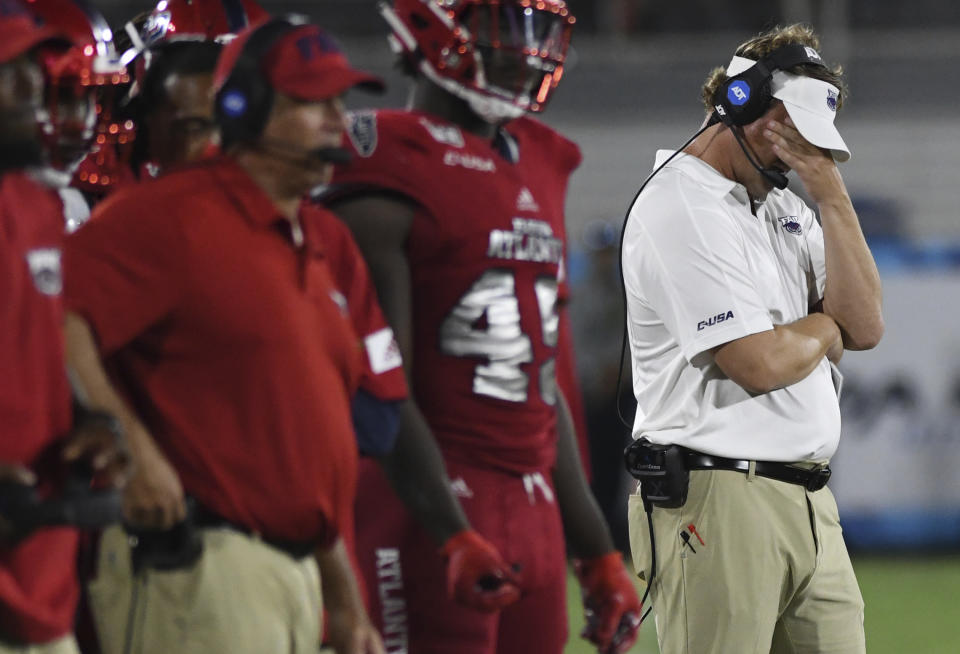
[(305, 64), (19, 31)]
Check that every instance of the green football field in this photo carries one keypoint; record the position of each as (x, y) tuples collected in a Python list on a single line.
[(913, 607)]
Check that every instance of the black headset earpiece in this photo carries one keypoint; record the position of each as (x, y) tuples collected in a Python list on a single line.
[(242, 105), (743, 98)]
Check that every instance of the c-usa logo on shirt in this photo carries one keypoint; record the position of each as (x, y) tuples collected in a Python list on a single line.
[(723, 316)]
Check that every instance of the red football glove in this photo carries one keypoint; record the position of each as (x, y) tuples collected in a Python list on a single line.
[(477, 576), (610, 603)]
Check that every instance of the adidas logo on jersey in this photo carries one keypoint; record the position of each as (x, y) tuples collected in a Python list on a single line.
[(383, 351), (525, 201)]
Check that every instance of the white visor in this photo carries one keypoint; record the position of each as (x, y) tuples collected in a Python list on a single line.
[(811, 104)]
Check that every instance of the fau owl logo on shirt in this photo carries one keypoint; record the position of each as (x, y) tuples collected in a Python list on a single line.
[(791, 224)]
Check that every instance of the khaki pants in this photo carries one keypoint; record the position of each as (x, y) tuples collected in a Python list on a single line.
[(241, 597), (65, 645), (762, 568)]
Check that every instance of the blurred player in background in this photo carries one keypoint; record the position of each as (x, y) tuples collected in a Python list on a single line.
[(739, 304), (173, 50), (240, 363), (40, 433), (81, 85), (457, 204)]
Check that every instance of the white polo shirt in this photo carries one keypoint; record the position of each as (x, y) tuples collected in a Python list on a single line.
[(702, 270)]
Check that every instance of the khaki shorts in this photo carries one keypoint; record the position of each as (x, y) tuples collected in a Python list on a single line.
[(241, 597), (65, 645), (762, 568)]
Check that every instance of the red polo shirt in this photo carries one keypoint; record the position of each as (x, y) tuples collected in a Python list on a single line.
[(383, 375), (231, 344), (38, 587)]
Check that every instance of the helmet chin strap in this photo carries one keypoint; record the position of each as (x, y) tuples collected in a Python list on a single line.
[(491, 109)]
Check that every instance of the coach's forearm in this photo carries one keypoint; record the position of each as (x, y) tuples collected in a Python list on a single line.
[(338, 583), (778, 357), (586, 530), (853, 295), (92, 387), (419, 477)]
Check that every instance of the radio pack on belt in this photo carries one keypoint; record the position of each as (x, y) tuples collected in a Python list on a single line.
[(661, 471)]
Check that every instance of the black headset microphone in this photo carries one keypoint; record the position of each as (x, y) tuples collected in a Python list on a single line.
[(772, 175)]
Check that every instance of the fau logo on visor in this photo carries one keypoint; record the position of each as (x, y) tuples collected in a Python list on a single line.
[(832, 99)]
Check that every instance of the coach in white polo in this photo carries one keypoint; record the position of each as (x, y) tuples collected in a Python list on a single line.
[(739, 304)]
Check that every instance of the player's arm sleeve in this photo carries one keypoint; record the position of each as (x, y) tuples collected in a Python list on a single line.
[(376, 423), (123, 273), (690, 268)]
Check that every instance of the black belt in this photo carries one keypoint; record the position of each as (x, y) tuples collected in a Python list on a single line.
[(812, 479), (205, 518)]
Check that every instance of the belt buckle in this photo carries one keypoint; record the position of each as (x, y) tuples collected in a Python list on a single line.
[(818, 478)]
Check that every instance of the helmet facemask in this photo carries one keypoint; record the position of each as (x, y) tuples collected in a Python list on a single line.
[(82, 81), (504, 57)]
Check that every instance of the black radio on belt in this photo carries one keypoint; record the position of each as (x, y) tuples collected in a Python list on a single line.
[(661, 471)]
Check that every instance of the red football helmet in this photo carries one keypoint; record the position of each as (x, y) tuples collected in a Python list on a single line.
[(504, 57), (185, 20), (80, 83), (202, 20)]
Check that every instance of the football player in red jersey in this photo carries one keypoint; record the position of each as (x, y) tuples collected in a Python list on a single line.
[(173, 53), (80, 85), (38, 584), (458, 204)]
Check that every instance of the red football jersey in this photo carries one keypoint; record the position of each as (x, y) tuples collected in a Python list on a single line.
[(485, 251)]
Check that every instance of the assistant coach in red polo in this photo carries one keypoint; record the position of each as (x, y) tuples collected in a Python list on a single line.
[(215, 306)]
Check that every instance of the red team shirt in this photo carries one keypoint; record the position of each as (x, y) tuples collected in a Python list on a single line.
[(382, 375), (234, 345), (38, 587), (485, 252)]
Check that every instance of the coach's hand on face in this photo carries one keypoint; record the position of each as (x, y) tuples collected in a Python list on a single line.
[(814, 165), (153, 498)]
